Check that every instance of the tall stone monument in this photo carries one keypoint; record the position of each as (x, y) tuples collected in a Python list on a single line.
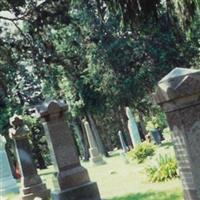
[(95, 156), (7, 182), (133, 129), (178, 94), (71, 179), (31, 183)]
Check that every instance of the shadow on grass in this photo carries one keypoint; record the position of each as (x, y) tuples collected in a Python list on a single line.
[(151, 196)]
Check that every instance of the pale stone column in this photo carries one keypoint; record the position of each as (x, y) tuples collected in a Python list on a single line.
[(178, 93), (71, 179), (95, 156), (31, 183), (133, 129), (7, 182), (124, 147)]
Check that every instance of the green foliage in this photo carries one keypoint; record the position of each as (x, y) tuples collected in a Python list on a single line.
[(156, 121), (80, 52), (164, 168), (4, 122), (167, 133), (141, 152)]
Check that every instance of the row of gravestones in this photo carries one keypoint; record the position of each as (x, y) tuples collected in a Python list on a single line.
[(56, 129), (178, 94), (71, 180)]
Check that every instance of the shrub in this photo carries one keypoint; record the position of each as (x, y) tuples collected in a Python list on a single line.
[(158, 120), (163, 169), (141, 152)]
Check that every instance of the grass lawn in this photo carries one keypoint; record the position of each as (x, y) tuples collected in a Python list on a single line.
[(118, 180)]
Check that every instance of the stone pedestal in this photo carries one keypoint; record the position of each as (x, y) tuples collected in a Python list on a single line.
[(178, 94), (71, 179), (7, 182), (133, 129), (31, 183)]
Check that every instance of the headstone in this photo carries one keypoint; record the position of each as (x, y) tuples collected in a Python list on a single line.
[(7, 182), (178, 94), (123, 144), (95, 156), (133, 130), (71, 180), (156, 136), (31, 183)]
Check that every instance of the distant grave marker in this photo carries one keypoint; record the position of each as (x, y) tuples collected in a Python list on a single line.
[(133, 129), (95, 156)]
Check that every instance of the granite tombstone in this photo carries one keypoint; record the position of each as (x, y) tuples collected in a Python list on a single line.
[(71, 179), (178, 93), (31, 183)]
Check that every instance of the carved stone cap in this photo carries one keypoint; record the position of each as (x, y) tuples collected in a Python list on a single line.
[(51, 108), (179, 83), (19, 129)]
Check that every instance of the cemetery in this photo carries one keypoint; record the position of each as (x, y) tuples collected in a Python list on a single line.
[(99, 100)]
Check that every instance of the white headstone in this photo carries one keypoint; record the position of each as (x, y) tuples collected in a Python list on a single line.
[(7, 182), (133, 129)]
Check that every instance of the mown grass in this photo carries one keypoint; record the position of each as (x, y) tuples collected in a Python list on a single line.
[(118, 180), (152, 196)]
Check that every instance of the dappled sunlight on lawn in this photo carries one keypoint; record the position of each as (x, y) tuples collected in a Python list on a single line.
[(118, 180)]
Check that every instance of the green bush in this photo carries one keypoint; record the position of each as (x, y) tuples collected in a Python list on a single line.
[(163, 169), (141, 152)]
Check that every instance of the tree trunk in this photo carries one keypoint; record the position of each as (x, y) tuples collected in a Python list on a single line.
[(38, 157), (81, 146), (144, 131)]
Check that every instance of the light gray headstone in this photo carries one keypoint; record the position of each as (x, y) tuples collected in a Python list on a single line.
[(133, 129), (95, 156), (7, 182)]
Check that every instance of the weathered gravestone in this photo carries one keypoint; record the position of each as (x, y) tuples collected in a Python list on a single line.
[(123, 144), (71, 179), (133, 129), (7, 182), (31, 183), (95, 156), (179, 95)]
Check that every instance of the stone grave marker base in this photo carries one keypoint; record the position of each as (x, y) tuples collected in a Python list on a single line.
[(38, 190), (87, 191)]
